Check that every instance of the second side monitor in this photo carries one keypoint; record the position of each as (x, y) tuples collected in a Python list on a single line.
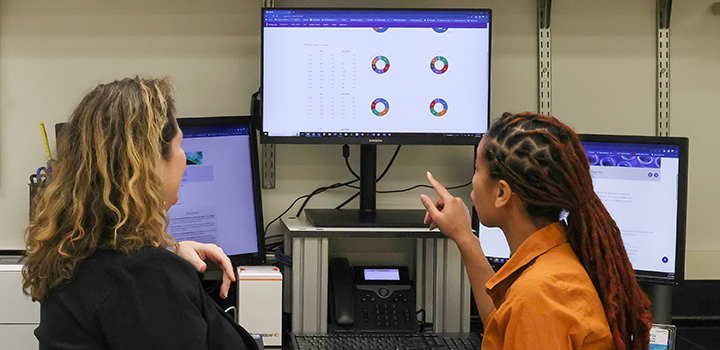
[(642, 181), (219, 196)]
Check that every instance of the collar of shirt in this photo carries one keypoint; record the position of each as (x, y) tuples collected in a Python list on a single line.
[(537, 244)]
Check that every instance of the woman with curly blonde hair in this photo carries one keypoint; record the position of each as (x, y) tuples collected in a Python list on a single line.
[(98, 258)]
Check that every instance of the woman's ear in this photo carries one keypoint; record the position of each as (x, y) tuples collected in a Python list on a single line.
[(503, 193)]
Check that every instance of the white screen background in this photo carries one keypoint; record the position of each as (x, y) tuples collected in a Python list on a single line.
[(224, 206)]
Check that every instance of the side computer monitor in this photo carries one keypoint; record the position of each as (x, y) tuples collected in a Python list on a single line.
[(220, 190), (642, 181)]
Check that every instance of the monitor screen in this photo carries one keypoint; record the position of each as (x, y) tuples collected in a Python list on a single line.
[(375, 76), (642, 181), (220, 192)]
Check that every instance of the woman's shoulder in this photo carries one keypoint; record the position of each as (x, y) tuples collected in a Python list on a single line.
[(154, 259), (558, 265), (557, 278), (107, 271), (107, 262)]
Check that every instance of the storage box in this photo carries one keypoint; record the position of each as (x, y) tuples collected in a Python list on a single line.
[(260, 302)]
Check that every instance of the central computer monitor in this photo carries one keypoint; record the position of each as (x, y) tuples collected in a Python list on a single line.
[(642, 181), (374, 76)]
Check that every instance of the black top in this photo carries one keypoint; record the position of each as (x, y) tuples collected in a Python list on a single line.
[(151, 299)]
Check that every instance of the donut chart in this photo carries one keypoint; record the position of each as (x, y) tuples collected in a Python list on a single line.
[(440, 30), (441, 102), (380, 29), (384, 69), (444, 67), (386, 107)]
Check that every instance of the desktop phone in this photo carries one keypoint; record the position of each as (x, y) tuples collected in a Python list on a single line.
[(371, 298)]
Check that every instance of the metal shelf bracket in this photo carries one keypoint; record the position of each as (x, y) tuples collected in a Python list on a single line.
[(664, 8), (544, 58), (268, 166), (268, 150)]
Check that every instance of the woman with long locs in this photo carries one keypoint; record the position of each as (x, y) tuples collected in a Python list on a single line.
[(568, 284)]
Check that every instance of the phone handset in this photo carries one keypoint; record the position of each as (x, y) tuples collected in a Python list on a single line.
[(342, 284)]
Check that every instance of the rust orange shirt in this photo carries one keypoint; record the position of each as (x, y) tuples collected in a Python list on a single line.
[(544, 299)]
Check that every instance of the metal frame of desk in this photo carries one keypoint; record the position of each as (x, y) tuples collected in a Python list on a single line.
[(442, 285)]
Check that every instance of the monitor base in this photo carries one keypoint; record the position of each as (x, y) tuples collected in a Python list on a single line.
[(354, 218)]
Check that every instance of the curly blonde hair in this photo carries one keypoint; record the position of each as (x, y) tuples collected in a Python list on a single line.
[(106, 187)]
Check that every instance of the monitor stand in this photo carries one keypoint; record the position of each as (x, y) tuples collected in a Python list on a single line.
[(660, 296), (356, 218), (367, 215)]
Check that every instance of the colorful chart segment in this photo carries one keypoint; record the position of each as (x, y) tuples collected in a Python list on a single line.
[(385, 60), (441, 102), (444, 67), (386, 107)]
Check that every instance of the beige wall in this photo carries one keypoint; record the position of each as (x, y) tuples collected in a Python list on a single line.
[(52, 52), (695, 112)]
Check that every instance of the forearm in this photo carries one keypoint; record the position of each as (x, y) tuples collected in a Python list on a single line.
[(479, 272)]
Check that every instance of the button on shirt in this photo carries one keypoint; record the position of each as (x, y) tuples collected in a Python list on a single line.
[(544, 299)]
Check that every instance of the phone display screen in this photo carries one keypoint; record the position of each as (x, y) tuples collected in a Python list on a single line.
[(382, 274)]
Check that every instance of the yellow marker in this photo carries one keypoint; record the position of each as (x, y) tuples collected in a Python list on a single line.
[(47, 145)]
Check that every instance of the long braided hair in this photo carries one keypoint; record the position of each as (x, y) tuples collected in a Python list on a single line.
[(544, 163)]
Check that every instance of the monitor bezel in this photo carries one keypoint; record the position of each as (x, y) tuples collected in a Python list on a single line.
[(681, 226), (247, 258), (417, 139)]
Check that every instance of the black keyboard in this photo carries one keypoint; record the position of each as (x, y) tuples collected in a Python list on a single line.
[(379, 341)]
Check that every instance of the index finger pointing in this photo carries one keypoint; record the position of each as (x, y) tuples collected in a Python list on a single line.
[(439, 188)]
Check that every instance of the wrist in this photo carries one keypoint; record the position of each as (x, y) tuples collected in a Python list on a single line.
[(467, 240)]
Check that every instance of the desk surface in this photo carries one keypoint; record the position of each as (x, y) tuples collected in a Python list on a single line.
[(697, 338), (299, 227)]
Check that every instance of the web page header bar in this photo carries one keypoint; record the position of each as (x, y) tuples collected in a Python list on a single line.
[(440, 20)]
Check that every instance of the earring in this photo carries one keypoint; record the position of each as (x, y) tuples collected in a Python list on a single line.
[(164, 203)]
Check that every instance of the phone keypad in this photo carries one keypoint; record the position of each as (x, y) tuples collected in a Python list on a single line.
[(390, 313)]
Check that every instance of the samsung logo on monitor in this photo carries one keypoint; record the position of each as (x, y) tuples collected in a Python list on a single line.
[(375, 140)]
